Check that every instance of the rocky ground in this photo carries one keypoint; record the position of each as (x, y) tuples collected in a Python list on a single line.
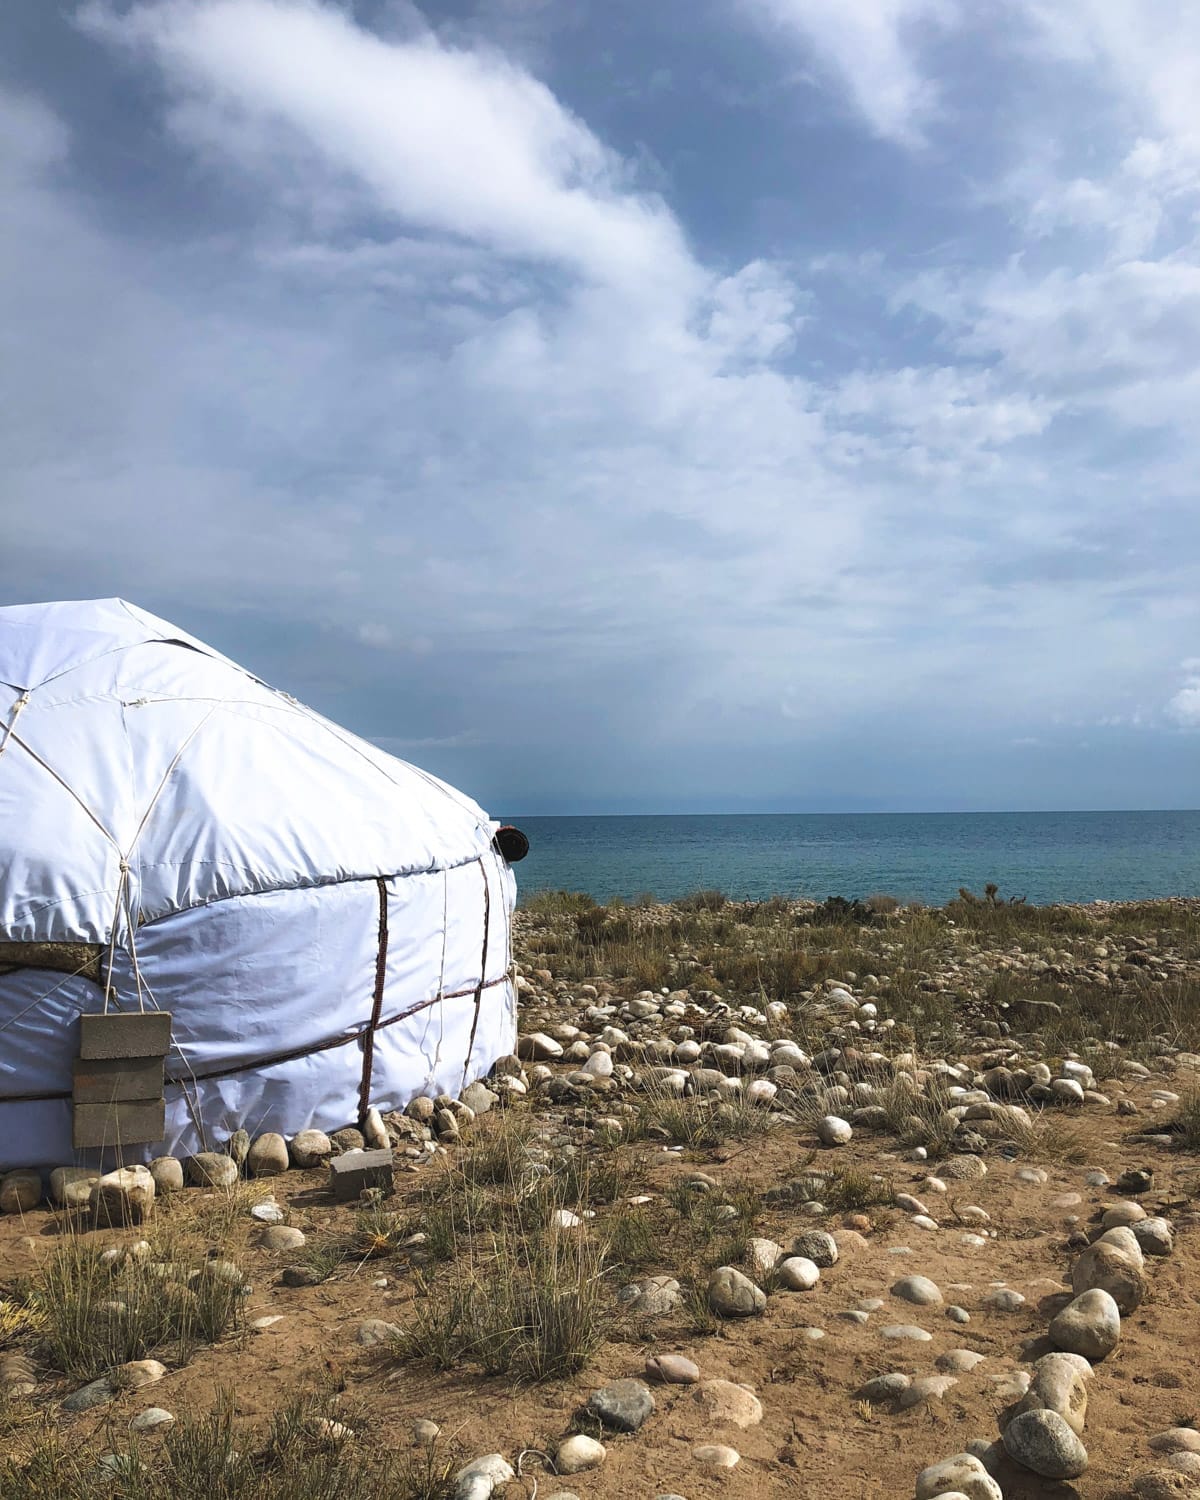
[(838, 1201)]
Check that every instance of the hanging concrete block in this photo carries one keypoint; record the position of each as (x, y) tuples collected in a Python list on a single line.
[(113, 1080), (138, 1122), (125, 1034)]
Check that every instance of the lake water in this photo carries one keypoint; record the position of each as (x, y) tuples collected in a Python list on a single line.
[(914, 856)]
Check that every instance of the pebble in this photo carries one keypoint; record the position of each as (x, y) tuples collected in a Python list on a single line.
[(797, 1274), (575, 1454), (1005, 1300), (958, 1314), (959, 1361), (926, 1388), (923, 1221), (834, 1131), (964, 1474), (212, 1169), (375, 1331), (724, 1404), (653, 1296), (425, 1433), (260, 1325), (167, 1172), (716, 1456), (732, 1295), (885, 1387), (479, 1479), (906, 1331), (1089, 1325), (20, 1191), (917, 1289), (309, 1148), (1107, 1268), (268, 1155), (672, 1369), (816, 1245), (1043, 1442), (622, 1405), (279, 1237), (1175, 1440), (153, 1416)]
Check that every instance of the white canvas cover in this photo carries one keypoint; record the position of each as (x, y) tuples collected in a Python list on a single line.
[(262, 874)]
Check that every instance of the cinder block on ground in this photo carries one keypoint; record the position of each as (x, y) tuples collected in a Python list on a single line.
[(357, 1170), (136, 1123), (134, 1034), (110, 1080)]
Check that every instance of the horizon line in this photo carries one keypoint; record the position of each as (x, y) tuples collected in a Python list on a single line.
[(880, 812)]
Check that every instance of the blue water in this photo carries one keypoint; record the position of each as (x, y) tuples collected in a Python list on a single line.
[(1117, 856)]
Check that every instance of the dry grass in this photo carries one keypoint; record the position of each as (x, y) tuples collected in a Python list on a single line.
[(208, 1457)]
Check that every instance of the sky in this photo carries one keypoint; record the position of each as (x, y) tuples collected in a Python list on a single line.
[(630, 405)]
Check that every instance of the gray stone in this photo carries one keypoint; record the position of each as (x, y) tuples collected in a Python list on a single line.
[(1089, 1325), (1155, 1235), (1043, 1442), (816, 1245), (153, 1416), (20, 1191), (1059, 1387), (906, 1331), (622, 1405), (1106, 1268), (71, 1187), (95, 1393), (237, 1147), (278, 1237), (167, 1172), (310, 1148), (917, 1289), (478, 1097), (212, 1169), (732, 1295), (926, 1388), (375, 1331), (652, 1297), (885, 1387)]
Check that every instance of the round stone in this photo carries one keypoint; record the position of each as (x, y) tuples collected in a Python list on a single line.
[(310, 1148), (671, 1369), (153, 1416), (885, 1387), (1163, 1484), (167, 1172), (1107, 1268), (797, 1274), (425, 1433), (964, 1474), (279, 1237), (918, 1290), (1089, 1325), (1043, 1442), (1122, 1213), (652, 1297), (125, 1196), (959, 1361), (926, 1388), (578, 1453), (906, 1331), (834, 1131), (958, 1314), (1156, 1236), (268, 1155), (1175, 1440), (732, 1295), (212, 1169), (20, 1191), (724, 1404), (716, 1456), (816, 1245), (1059, 1387)]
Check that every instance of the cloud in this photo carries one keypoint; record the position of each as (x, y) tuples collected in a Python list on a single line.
[(1183, 708), (871, 47)]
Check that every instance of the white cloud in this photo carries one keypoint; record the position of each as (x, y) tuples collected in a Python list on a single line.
[(449, 140), (872, 47), (1184, 706)]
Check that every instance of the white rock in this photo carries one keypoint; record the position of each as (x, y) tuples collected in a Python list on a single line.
[(578, 1453), (832, 1130)]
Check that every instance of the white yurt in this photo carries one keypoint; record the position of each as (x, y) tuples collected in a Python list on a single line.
[(327, 926)]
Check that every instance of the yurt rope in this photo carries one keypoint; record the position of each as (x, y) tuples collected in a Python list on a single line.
[(487, 923), (364, 1088)]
